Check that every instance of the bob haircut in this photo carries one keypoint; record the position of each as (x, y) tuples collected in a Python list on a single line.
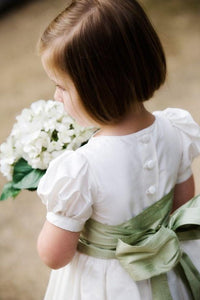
[(111, 52)]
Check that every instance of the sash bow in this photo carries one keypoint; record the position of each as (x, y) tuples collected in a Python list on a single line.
[(147, 246)]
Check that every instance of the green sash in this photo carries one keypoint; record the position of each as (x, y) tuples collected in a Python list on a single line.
[(147, 246)]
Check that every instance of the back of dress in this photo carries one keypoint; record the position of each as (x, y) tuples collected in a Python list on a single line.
[(131, 172), (112, 179)]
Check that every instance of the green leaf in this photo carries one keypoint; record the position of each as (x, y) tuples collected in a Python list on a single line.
[(9, 191), (30, 181), (21, 169), (24, 178)]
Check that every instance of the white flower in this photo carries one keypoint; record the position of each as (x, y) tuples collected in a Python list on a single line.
[(40, 134), (8, 156)]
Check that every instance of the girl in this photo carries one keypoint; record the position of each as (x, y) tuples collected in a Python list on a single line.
[(106, 60)]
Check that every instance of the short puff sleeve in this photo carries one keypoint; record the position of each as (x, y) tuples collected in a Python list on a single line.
[(66, 190), (189, 133)]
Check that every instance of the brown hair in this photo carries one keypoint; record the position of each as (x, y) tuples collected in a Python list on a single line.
[(111, 52)]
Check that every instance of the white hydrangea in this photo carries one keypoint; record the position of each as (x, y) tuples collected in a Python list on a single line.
[(40, 134)]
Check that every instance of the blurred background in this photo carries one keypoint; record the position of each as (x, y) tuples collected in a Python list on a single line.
[(23, 81)]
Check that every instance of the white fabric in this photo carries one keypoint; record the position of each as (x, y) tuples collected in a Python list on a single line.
[(112, 179)]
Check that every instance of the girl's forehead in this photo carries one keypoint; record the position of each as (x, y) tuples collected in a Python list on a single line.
[(46, 65), (57, 77), (52, 73)]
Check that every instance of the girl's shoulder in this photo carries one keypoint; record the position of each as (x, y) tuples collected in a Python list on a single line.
[(181, 119), (66, 190), (185, 130), (74, 160), (186, 134)]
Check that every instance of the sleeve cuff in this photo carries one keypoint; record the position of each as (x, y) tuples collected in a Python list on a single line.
[(64, 222)]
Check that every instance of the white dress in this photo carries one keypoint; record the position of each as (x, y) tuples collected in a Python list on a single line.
[(111, 179)]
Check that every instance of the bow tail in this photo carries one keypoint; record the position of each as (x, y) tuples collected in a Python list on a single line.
[(189, 275), (160, 288)]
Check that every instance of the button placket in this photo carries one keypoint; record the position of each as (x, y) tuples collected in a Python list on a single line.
[(148, 156)]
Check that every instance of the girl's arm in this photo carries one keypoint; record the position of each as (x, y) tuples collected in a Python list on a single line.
[(183, 192), (56, 247)]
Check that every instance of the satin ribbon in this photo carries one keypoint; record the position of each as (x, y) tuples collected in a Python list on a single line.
[(147, 246)]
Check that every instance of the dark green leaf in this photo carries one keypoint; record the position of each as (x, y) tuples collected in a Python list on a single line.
[(9, 191), (21, 169), (54, 135), (24, 178), (30, 181)]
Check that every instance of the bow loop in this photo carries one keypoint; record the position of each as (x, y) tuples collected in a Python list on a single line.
[(156, 254), (185, 221)]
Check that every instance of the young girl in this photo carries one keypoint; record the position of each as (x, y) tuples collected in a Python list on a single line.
[(108, 234)]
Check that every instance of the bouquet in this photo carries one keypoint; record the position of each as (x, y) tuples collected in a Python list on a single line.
[(40, 134)]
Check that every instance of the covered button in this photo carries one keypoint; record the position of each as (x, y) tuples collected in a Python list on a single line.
[(149, 164), (151, 190)]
